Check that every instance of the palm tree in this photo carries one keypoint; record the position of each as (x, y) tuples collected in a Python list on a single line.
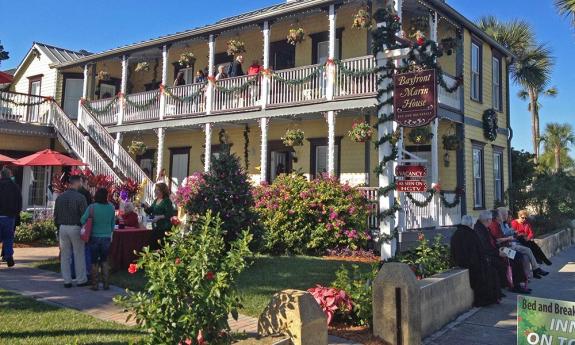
[(566, 8), (532, 66), (557, 139)]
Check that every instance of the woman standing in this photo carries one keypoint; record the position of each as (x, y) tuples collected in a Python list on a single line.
[(162, 211), (103, 221), (525, 236)]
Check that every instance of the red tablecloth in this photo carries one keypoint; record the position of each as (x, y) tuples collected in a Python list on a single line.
[(124, 242)]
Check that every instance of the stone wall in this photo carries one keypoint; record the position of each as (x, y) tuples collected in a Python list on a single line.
[(552, 244)]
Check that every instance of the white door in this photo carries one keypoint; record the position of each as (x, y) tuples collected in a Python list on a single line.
[(179, 170), (323, 51), (72, 94), (34, 110)]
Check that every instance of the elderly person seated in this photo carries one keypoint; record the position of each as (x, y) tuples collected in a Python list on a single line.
[(466, 252), (525, 234), (129, 216)]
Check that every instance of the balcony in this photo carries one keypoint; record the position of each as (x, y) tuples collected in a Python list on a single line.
[(290, 87)]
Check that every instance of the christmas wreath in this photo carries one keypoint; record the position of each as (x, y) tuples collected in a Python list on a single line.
[(490, 124), (420, 135)]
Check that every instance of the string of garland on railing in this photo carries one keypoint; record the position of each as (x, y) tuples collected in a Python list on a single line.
[(104, 110), (145, 105), (432, 191), (28, 104), (186, 99)]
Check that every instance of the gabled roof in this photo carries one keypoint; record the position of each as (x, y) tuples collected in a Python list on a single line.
[(56, 55)]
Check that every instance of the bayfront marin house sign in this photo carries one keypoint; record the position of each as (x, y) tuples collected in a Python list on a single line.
[(415, 98)]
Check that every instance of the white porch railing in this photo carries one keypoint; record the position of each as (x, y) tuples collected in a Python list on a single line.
[(311, 89), (348, 85), (111, 107), (82, 148), (142, 106), (371, 195), (247, 96), (424, 217), (185, 99), (452, 99), (116, 153), (15, 107)]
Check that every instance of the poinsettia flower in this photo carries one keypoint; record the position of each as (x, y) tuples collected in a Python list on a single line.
[(210, 275), (133, 268), (178, 261), (175, 221)]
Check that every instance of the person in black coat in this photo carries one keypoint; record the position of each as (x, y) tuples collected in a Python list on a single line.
[(466, 252), (10, 208), (235, 69)]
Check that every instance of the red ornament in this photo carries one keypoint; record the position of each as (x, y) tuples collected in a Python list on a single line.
[(436, 187), (133, 268), (210, 276), (178, 261)]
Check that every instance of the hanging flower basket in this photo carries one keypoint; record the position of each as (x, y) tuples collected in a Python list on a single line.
[(137, 148), (420, 135), (295, 36), (293, 137), (236, 47), (142, 67), (451, 142), (187, 60), (360, 132), (362, 20), (448, 45), (103, 75)]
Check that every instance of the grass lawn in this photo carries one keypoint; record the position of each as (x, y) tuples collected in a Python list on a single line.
[(26, 321), (266, 276)]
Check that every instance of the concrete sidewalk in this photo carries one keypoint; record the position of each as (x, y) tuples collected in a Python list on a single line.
[(497, 324)]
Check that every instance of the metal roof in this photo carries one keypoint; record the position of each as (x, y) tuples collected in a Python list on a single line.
[(59, 55)]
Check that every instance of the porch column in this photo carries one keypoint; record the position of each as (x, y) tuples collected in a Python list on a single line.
[(211, 57), (117, 144), (266, 64), (433, 26), (85, 146), (160, 163), (208, 148), (164, 81), (331, 143), (331, 54), (435, 167), (123, 89), (264, 149), (85, 83)]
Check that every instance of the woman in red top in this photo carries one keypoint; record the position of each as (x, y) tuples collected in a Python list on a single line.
[(525, 236)]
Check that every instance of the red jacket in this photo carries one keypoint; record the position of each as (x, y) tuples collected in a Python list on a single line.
[(523, 229), (496, 233), (254, 69)]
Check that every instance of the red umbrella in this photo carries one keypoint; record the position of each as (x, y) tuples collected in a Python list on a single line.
[(47, 158), (6, 159)]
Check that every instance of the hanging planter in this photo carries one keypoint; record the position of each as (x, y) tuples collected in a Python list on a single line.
[(448, 45), (360, 132), (451, 142), (362, 20), (137, 148), (103, 75), (420, 135), (142, 67), (293, 137), (295, 36), (236, 47), (187, 60)]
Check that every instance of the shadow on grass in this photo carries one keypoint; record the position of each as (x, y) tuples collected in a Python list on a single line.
[(68, 332)]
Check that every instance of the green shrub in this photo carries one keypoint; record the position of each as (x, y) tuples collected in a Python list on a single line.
[(358, 286), (309, 217), (26, 217), (427, 258), (191, 285), (43, 232)]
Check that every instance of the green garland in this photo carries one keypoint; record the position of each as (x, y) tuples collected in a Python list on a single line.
[(490, 124), (146, 105), (189, 98), (105, 109), (8, 100), (238, 88), (246, 146), (301, 80), (456, 201)]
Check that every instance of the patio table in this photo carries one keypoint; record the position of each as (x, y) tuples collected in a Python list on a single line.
[(124, 243)]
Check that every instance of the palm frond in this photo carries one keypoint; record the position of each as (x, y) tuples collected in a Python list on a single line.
[(566, 8)]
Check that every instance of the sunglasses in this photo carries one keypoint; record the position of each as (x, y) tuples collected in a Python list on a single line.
[(522, 217)]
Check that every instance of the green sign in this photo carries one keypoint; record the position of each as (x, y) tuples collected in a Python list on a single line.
[(543, 321)]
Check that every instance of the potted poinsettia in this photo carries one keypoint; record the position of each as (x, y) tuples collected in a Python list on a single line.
[(236, 47), (137, 148), (362, 20), (293, 137), (187, 59), (295, 36), (360, 132)]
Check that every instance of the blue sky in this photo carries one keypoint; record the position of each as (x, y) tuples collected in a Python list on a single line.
[(105, 24)]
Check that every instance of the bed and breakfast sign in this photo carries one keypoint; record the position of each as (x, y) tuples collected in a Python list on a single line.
[(415, 98), (543, 321)]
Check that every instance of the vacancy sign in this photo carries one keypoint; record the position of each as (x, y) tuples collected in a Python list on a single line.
[(411, 186), (411, 171)]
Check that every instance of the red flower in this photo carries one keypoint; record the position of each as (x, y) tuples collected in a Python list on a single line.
[(133, 268), (178, 261), (420, 41), (421, 236), (175, 221), (210, 276), (200, 338)]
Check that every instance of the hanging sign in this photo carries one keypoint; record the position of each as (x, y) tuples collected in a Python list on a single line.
[(545, 321), (411, 186), (413, 171), (415, 98)]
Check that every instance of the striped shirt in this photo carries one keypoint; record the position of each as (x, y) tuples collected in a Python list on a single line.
[(69, 208)]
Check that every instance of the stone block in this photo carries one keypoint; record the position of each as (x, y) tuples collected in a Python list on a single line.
[(396, 305), (296, 314)]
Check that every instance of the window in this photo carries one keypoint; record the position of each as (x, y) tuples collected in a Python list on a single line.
[(478, 182), (498, 175), (39, 175), (319, 155), (475, 71), (496, 83), (323, 51)]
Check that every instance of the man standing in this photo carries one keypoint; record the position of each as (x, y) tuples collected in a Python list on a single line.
[(235, 69), (10, 207), (69, 208), (84, 190)]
